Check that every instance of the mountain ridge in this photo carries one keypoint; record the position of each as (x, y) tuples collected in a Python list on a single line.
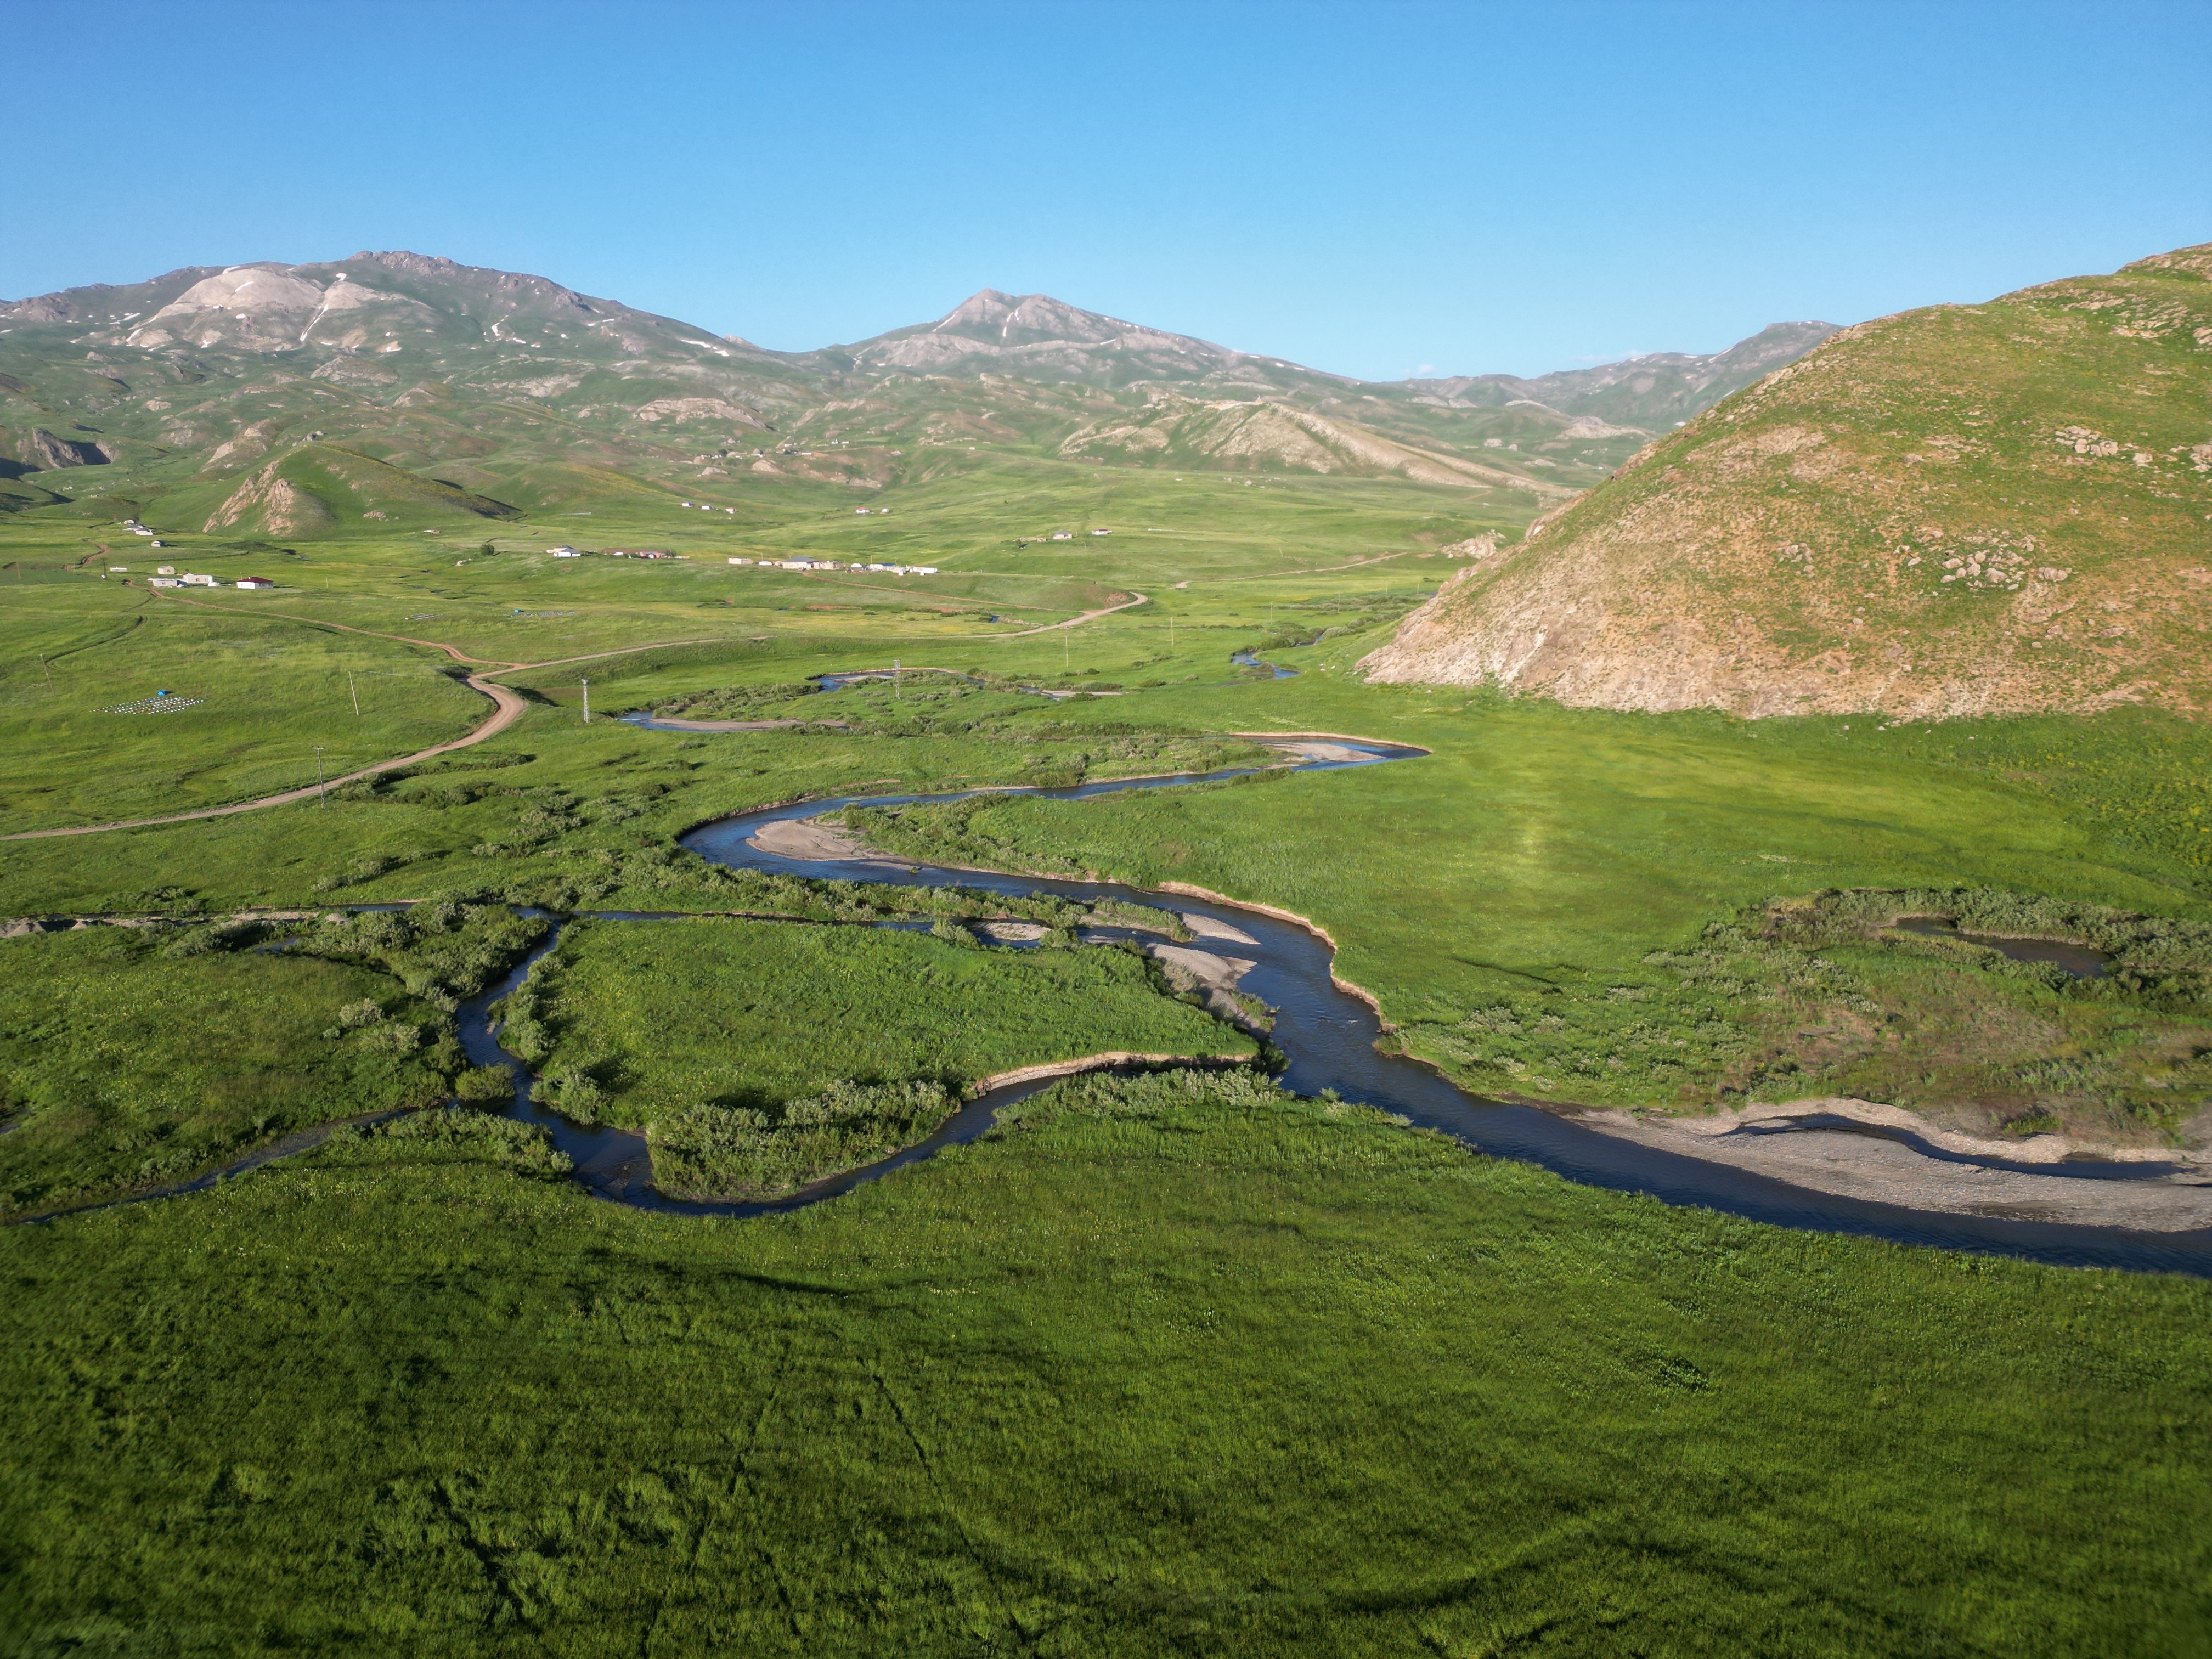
[(419, 362)]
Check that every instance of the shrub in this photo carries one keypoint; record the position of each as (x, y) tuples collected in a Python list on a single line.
[(481, 1083)]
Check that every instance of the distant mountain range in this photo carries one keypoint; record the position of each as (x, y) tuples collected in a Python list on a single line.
[(1994, 508), (208, 388)]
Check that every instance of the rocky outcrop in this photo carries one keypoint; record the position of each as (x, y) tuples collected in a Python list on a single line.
[(273, 503), (40, 449)]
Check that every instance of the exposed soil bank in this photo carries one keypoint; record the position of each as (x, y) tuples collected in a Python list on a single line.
[(1860, 1149), (811, 838)]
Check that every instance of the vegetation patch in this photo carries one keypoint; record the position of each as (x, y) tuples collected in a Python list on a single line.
[(127, 1061), (764, 1056), (1827, 994)]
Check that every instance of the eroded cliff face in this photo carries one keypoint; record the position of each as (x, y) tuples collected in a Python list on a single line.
[(1989, 509)]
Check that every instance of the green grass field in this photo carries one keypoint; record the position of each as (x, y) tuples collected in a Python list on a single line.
[(724, 1039), (1165, 1367), (127, 1063), (1161, 1368)]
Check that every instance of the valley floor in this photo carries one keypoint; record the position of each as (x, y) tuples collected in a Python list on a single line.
[(1182, 1363)]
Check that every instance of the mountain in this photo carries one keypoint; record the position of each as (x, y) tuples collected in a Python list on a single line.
[(1035, 336), (1961, 510), (415, 363), (999, 362), (1658, 390), (231, 397)]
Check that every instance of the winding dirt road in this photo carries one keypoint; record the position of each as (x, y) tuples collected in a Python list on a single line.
[(508, 707)]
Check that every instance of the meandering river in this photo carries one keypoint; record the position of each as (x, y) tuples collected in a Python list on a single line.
[(1328, 1035)]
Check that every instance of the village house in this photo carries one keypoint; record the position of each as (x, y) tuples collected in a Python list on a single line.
[(255, 583)]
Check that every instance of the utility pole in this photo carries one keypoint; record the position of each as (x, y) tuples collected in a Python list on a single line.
[(587, 702), (321, 798), (48, 668), (898, 693), (1063, 650), (355, 691)]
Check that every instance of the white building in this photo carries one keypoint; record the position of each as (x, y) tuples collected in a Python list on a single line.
[(255, 583), (740, 561), (165, 581), (563, 551), (165, 570), (1101, 532), (191, 581)]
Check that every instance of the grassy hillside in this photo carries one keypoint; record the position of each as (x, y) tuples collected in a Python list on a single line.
[(1971, 509)]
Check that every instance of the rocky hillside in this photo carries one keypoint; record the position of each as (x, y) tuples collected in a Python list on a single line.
[(1261, 434), (1967, 509)]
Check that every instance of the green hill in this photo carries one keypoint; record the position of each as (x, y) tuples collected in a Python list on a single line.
[(317, 488), (1966, 509)]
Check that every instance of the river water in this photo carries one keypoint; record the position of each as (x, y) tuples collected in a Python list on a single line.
[(1329, 1037)]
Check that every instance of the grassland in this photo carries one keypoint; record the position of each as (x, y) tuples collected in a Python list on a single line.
[(1163, 1367), (760, 1055), (84, 739), (1516, 898), (1501, 896), (127, 1062)]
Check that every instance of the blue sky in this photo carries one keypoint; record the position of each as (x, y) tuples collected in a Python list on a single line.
[(1376, 190)]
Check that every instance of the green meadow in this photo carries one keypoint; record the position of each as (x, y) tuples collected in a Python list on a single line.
[(1181, 1365), (128, 1062), (739, 1037), (1176, 1364)]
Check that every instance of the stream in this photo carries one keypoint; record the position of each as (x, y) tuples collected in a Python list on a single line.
[(1329, 1037)]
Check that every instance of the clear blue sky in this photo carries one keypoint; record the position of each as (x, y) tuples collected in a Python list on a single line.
[(1376, 190)]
